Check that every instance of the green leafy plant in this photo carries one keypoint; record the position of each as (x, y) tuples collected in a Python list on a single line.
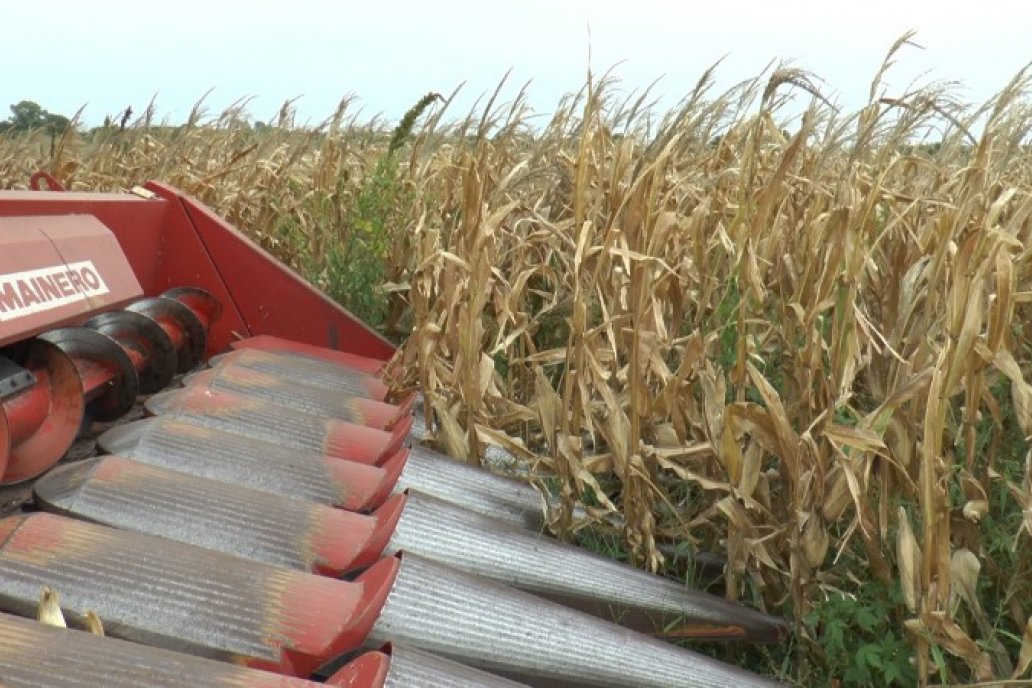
[(859, 636)]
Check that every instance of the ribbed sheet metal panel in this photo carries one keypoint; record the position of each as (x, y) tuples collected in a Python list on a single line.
[(483, 546), (272, 423), (519, 635), (409, 668), (473, 487), (126, 494), (172, 595), (33, 655), (212, 453), (291, 391), (310, 371)]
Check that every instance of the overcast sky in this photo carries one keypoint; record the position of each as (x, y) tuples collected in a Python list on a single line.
[(65, 54)]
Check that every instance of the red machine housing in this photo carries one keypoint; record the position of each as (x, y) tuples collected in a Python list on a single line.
[(188, 286), (170, 240), (56, 270)]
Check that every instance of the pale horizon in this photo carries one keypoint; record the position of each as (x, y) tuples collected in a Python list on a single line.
[(65, 55)]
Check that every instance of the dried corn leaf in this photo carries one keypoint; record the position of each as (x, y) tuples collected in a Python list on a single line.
[(1025, 654), (453, 434)]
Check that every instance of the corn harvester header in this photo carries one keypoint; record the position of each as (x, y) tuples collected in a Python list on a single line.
[(204, 482)]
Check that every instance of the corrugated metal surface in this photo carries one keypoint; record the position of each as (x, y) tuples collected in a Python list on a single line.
[(33, 655), (472, 487), (213, 453), (171, 595), (276, 530), (409, 668), (517, 634), (291, 392), (437, 530), (208, 513), (308, 371), (273, 423)]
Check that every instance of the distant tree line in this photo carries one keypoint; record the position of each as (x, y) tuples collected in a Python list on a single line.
[(29, 116)]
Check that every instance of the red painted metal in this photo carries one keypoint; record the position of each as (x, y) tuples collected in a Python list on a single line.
[(260, 286), (136, 356), (140, 584), (55, 270), (46, 178), (277, 530), (91, 350), (44, 656), (364, 364), (173, 241), (28, 409), (364, 490), (293, 393), (40, 423), (5, 443), (188, 329), (252, 417), (156, 237), (348, 541), (150, 349), (95, 378), (368, 670), (77, 369), (174, 332), (340, 437), (206, 307)]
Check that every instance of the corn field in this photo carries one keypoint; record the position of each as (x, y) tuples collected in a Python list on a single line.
[(755, 325)]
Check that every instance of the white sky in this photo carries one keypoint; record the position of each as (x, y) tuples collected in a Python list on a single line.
[(65, 54)]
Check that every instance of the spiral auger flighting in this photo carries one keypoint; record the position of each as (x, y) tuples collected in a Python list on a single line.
[(185, 314), (41, 415), (56, 381)]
